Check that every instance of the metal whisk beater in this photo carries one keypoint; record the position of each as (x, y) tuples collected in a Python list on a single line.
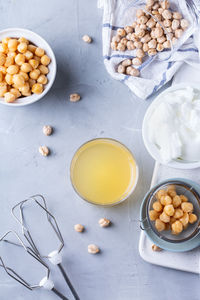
[(46, 282), (55, 256)]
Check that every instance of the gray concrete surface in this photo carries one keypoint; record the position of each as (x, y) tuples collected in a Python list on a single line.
[(107, 109)]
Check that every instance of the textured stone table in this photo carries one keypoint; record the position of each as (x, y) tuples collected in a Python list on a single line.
[(107, 109)]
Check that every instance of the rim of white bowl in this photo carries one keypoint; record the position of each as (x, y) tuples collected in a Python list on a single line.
[(40, 42), (151, 148)]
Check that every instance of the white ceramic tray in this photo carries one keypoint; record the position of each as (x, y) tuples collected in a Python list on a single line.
[(185, 261)]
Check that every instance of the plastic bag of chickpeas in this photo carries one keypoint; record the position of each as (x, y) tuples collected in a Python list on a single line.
[(142, 39)]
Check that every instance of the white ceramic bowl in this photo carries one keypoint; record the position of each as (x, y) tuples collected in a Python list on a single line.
[(151, 148), (40, 42)]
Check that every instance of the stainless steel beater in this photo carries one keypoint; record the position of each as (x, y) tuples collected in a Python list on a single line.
[(46, 282), (55, 256)]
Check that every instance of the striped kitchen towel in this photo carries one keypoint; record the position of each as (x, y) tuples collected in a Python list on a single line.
[(157, 70)]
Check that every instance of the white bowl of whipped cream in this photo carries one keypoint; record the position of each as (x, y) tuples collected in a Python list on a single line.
[(171, 127)]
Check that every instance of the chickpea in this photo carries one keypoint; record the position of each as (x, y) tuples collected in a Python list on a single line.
[(39, 51), (176, 201), (160, 47), (5, 40), (128, 70), (116, 38), (15, 92), (121, 69), (174, 40), (23, 40), (152, 33), (160, 226), (18, 80), (3, 70), (165, 4), (9, 61), (160, 10), (129, 36), (152, 44), (127, 62), (167, 45), (178, 33), (37, 58), (37, 88), (31, 48), (177, 227), (26, 68), (134, 72), (128, 29), (153, 215), (145, 47), (140, 53), (9, 97), (43, 69), (139, 13), (3, 48), (171, 192), (123, 41), (3, 88), (184, 219), (178, 213), (183, 198), (184, 24), (22, 47), (169, 210), (1, 76), (167, 14), (164, 217), (175, 24), (152, 52), (113, 46), (192, 218), (9, 79), (170, 36), (45, 60), (151, 23), (138, 45), (156, 248), (142, 20), (161, 193), (25, 75), (12, 54), (157, 206), (143, 26), (158, 32), (166, 200), (155, 6), (120, 31), (13, 69), (146, 38), (130, 45), (136, 61), (167, 23), (139, 32), (2, 59), (25, 89), (187, 207), (34, 63), (172, 220), (31, 82), (150, 2), (161, 39), (134, 24), (28, 55), (177, 15), (34, 74), (12, 44), (121, 47)]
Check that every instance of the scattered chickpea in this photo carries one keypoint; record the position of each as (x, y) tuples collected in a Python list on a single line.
[(44, 150), (104, 222), (134, 72), (74, 97), (93, 249), (156, 248), (78, 228), (87, 39)]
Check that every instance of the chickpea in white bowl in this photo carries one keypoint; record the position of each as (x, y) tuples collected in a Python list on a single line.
[(27, 67)]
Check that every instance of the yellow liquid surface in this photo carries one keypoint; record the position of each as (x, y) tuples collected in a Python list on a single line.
[(103, 171)]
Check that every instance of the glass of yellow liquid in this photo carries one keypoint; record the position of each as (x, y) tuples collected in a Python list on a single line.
[(104, 172)]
